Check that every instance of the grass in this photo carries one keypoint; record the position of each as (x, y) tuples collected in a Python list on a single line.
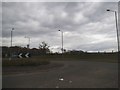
[(108, 57), (24, 62), (45, 59)]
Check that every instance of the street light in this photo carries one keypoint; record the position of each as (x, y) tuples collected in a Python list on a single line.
[(28, 45), (116, 27), (11, 35), (61, 39), (11, 44)]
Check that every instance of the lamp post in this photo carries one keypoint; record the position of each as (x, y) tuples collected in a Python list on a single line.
[(62, 40), (28, 45), (11, 35), (11, 44), (115, 12)]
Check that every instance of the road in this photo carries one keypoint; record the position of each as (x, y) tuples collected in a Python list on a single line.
[(74, 74)]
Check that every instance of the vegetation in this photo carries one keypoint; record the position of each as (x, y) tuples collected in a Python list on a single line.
[(42, 56), (44, 48), (45, 59), (101, 57), (16, 50), (24, 62)]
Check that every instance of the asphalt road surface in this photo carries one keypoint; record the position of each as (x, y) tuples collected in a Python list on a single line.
[(74, 74)]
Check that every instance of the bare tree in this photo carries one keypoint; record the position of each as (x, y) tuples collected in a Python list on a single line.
[(44, 47)]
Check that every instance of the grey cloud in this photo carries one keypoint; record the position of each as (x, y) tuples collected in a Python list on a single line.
[(42, 20), (98, 47)]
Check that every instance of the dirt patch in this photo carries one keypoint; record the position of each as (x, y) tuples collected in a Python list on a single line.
[(30, 69)]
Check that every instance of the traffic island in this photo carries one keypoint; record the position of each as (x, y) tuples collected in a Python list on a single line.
[(25, 69)]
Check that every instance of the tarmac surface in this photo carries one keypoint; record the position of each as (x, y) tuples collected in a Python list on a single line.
[(74, 74)]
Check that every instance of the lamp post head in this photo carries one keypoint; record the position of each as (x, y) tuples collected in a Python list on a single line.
[(12, 28), (60, 31), (108, 10)]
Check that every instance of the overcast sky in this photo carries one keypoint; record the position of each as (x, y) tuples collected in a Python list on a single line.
[(87, 26)]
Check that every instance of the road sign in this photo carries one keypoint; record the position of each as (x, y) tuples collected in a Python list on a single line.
[(27, 55), (20, 55), (24, 55)]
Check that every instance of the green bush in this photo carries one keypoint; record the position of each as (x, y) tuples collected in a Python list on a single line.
[(24, 62)]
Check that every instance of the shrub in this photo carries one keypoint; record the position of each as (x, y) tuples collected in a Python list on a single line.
[(24, 62)]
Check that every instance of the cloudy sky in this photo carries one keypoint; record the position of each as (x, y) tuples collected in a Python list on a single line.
[(86, 26)]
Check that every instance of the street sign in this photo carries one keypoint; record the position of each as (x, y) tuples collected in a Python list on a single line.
[(27, 55), (20, 55), (24, 55)]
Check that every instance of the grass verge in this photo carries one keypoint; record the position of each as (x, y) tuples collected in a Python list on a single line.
[(110, 58), (24, 62)]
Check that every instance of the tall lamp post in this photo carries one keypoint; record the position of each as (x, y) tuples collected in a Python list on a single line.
[(11, 35), (115, 12), (28, 45), (11, 44), (61, 39)]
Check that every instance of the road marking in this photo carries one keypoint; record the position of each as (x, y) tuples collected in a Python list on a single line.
[(57, 87), (70, 81)]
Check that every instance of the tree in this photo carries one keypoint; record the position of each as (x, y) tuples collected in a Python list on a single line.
[(44, 48)]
